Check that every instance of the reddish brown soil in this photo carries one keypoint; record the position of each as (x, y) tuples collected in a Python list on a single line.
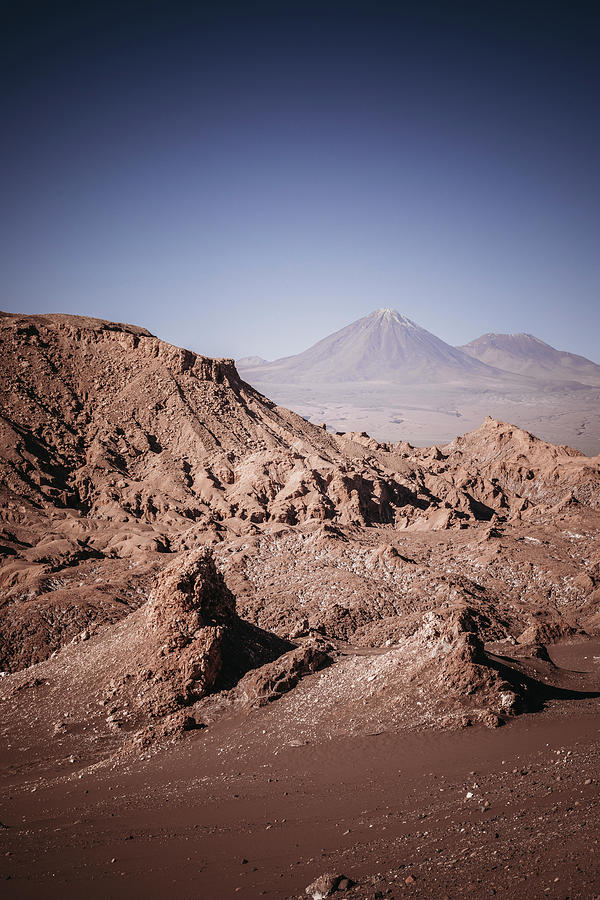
[(378, 808)]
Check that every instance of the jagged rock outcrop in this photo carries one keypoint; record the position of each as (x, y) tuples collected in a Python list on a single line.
[(520, 466), (449, 655), (274, 679), (188, 614)]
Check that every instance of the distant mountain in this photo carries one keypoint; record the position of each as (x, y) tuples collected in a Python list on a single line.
[(386, 375), (250, 362), (384, 346), (525, 354)]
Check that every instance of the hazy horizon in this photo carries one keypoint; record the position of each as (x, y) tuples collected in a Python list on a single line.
[(249, 181)]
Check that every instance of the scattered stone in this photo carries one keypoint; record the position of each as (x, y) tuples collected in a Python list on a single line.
[(325, 885)]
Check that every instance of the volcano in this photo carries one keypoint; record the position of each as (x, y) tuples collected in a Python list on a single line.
[(384, 346), (526, 354)]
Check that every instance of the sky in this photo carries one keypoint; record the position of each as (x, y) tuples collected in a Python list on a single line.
[(247, 179)]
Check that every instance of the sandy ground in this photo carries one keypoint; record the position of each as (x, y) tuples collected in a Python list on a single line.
[(230, 812), (433, 414)]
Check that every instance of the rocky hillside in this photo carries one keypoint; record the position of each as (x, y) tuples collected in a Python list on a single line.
[(124, 458)]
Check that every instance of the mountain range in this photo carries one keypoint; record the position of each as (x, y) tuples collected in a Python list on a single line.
[(384, 346), (389, 347), (388, 375)]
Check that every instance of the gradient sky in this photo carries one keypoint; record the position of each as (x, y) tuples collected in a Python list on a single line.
[(247, 180)]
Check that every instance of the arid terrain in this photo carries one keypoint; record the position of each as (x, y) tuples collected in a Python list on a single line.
[(240, 652)]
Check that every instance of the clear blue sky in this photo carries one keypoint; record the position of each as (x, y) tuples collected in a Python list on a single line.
[(249, 181)]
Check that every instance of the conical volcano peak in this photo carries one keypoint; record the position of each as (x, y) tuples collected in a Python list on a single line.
[(383, 347), (387, 314)]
